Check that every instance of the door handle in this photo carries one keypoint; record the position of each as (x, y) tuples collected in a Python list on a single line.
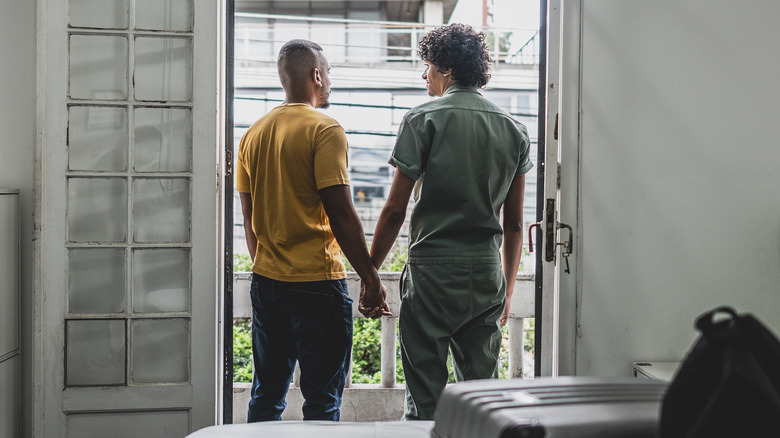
[(531, 236), (567, 246)]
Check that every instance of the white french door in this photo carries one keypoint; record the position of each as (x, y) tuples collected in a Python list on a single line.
[(554, 247), (127, 218)]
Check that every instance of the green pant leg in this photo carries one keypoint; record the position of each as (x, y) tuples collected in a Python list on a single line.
[(433, 305), (425, 372), (476, 344)]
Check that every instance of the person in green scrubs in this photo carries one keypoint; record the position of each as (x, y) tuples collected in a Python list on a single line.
[(464, 158)]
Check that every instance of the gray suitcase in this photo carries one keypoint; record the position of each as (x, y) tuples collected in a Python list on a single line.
[(580, 407)]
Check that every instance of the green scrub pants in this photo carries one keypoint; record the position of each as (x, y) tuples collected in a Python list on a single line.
[(448, 304)]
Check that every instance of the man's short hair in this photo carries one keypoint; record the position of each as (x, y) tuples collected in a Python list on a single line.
[(460, 49), (297, 58)]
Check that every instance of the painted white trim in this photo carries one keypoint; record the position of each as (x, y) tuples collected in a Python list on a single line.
[(222, 44), (569, 134), (206, 220), (36, 355), (49, 260)]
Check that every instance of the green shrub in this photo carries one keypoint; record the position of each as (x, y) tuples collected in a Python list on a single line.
[(366, 346), (242, 350), (394, 262), (242, 263), (529, 329)]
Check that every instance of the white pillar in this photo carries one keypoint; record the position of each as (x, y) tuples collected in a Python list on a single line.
[(349, 369), (433, 12), (516, 336), (387, 352)]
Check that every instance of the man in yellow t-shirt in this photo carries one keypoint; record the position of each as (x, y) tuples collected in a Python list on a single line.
[(291, 174)]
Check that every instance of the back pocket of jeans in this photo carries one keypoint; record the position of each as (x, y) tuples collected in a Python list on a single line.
[(310, 312)]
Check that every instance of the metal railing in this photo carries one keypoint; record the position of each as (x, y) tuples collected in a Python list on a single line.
[(522, 308), (258, 38)]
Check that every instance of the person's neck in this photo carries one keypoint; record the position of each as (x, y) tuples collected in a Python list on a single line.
[(448, 86), (299, 98)]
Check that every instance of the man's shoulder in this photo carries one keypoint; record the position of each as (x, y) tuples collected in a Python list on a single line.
[(317, 121), (303, 114), (428, 110), (466, 102), (475, 101), (325, 121), (423, 108)]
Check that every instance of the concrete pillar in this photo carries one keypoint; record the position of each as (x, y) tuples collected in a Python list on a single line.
[(516, 336), (433, 12), (349, 369), (387, 363)]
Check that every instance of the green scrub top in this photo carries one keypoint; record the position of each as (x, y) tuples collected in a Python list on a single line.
[(463, 151)]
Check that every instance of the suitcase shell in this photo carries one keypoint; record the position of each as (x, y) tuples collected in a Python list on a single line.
[(580, 407)]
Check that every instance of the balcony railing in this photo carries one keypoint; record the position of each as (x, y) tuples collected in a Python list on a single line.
[(384, 401), (258, 38)]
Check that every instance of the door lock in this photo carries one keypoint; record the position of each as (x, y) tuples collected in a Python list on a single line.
[(567, 246)]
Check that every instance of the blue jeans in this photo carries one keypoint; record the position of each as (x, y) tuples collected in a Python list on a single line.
[(309, 322)]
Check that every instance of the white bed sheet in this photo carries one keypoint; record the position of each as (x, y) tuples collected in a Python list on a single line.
[(319, 429)]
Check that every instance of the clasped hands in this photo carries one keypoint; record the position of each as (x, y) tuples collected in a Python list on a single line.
[(372, 302)]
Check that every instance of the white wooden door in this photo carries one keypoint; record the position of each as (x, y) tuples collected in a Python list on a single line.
[(126, 218), (553, 253)]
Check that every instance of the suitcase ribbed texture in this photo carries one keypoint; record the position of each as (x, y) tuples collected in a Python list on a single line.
[(544, 407)]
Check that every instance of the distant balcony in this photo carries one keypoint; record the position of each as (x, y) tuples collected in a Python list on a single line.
[(384, 401), (258, 38), (356, 48)]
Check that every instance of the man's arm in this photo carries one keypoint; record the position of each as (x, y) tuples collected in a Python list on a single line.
[(391, 218), (249, 233), (347, 229), (512, 248)]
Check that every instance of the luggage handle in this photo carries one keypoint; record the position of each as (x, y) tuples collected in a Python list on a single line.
[(705, 322)]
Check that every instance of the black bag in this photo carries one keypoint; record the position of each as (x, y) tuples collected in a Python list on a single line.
[(729, 383)]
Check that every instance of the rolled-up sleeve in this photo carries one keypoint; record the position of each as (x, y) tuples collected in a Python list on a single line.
[(524, 164), (410, 151)]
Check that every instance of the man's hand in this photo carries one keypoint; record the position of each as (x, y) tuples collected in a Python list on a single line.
[(505, 315), (372, 302)]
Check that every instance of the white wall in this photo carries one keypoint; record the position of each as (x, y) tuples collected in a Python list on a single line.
[(17, 140), (679, 173)]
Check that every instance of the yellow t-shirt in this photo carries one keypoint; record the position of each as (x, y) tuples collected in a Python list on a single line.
[(284, 159)]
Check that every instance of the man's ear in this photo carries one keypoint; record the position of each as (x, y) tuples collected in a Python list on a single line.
[(317, 77)]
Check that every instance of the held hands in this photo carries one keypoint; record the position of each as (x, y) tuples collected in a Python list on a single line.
[(372, 302)]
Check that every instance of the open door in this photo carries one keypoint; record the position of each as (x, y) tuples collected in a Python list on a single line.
[(553, 239), (126, 233)]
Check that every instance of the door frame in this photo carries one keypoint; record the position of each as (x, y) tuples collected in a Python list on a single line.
[(227, 201)]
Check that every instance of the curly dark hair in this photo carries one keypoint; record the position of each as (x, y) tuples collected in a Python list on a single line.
[(460, 49)]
